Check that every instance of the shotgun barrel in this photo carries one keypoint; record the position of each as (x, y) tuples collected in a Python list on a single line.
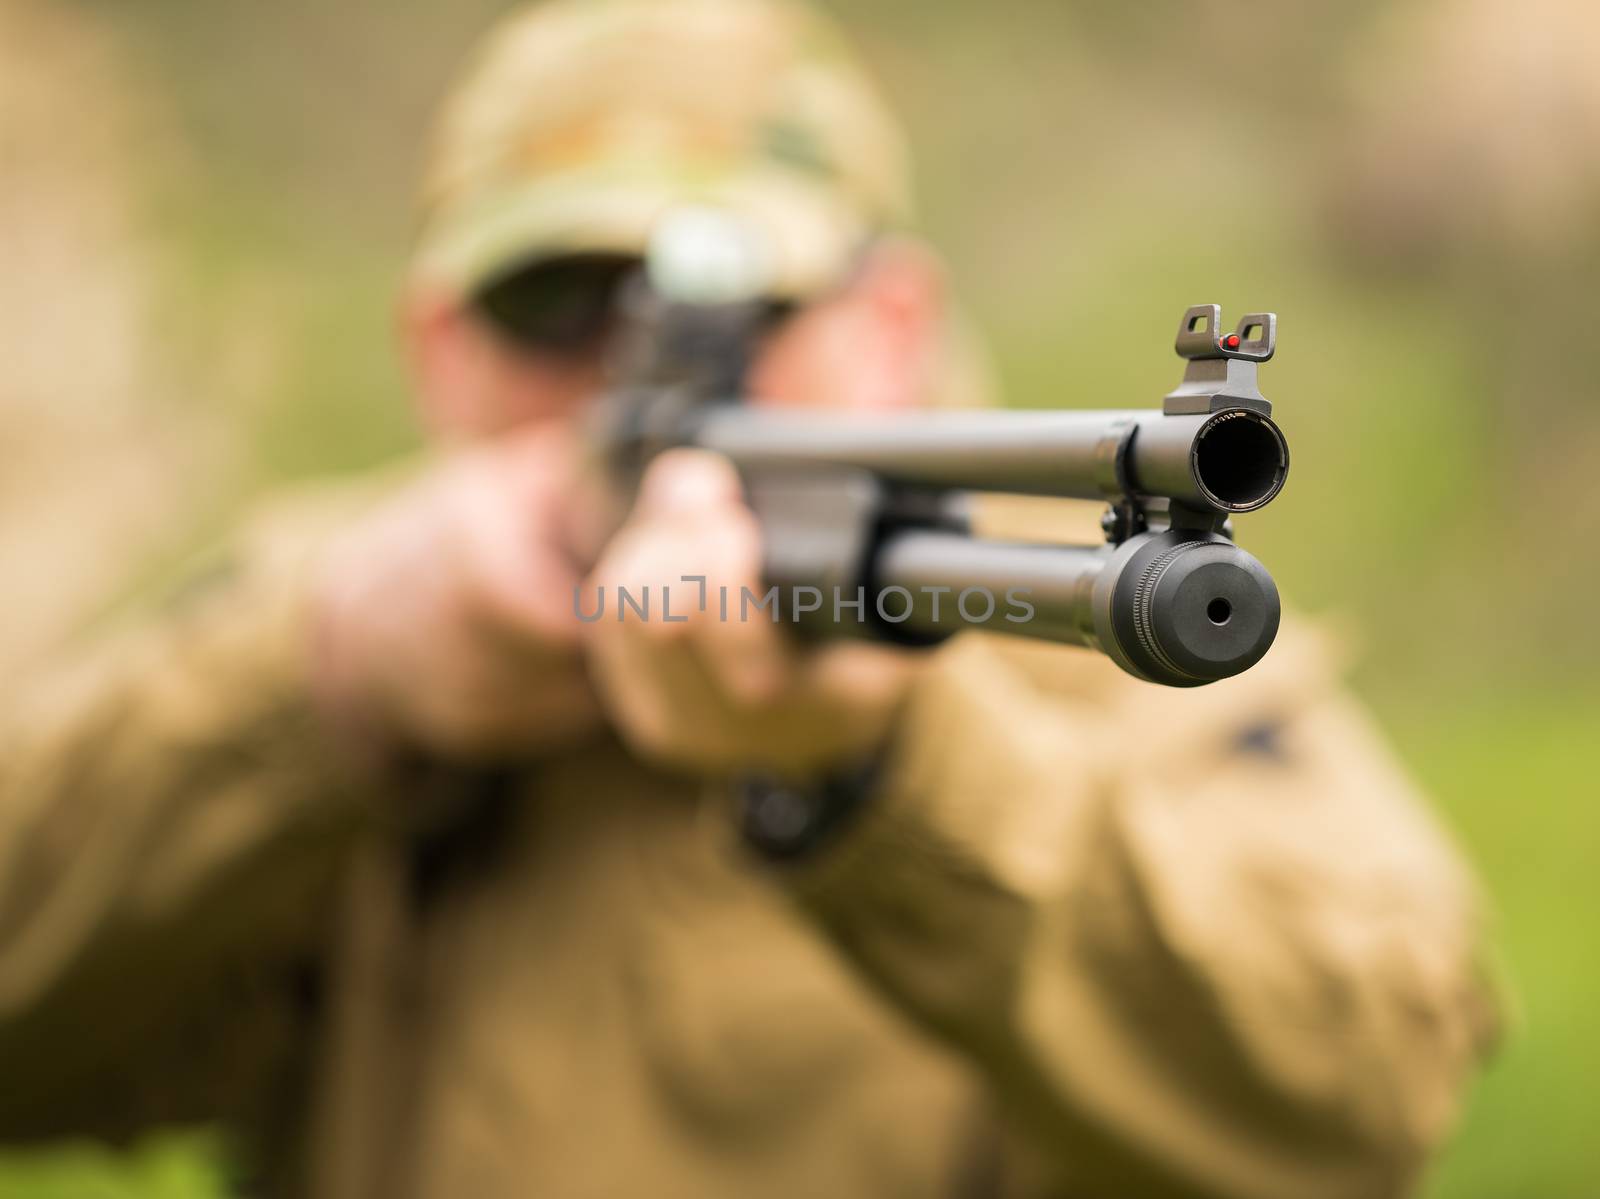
[(1234, 460)]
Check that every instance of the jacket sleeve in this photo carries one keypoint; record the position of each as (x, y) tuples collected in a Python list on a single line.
[(1198, 943), (170, 815)]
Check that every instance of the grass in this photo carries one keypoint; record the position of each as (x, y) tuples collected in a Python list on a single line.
[(1510, 778), (166, 1165)]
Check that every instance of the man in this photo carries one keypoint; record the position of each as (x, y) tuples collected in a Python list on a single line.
[(377, 851)]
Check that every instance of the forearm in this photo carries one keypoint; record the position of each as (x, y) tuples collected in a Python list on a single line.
[(171, 800), (1186, 963)]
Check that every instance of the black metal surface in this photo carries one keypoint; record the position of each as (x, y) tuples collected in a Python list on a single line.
[(1183, 609), (1177, 607), (1195, 459), (863, 504)]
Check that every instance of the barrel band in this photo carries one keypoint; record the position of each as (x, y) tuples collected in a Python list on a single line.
[(1111, 459)]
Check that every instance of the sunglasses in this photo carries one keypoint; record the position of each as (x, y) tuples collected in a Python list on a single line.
[(563, 306), (569, 306)]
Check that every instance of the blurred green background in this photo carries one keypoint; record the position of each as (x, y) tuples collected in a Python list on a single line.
[(206, 208)]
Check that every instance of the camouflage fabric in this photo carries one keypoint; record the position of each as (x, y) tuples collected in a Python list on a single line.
[(582, 123), (1090, 938)]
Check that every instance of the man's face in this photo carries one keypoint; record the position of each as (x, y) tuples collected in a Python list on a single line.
[(871, 345)]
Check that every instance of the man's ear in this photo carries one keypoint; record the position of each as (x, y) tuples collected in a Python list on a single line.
[(901, 293), (443, 352)]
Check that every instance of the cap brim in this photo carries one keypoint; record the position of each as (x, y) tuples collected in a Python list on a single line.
[(810, 237)]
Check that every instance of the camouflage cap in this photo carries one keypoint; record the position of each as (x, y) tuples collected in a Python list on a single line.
[(582, 123)]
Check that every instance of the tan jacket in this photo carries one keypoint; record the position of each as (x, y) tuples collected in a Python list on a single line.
[(1091, 937)]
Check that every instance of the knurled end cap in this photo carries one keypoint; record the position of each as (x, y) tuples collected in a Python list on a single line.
[(1189, 610)]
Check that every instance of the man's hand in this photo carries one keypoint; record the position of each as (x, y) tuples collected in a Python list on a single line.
[(713, 694), (446, 618)]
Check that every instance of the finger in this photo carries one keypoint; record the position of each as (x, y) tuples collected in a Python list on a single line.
[(675, 678), (684, 481), (744, 649), (515, 582), (656, 692), (708, 559), (693, 538)]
